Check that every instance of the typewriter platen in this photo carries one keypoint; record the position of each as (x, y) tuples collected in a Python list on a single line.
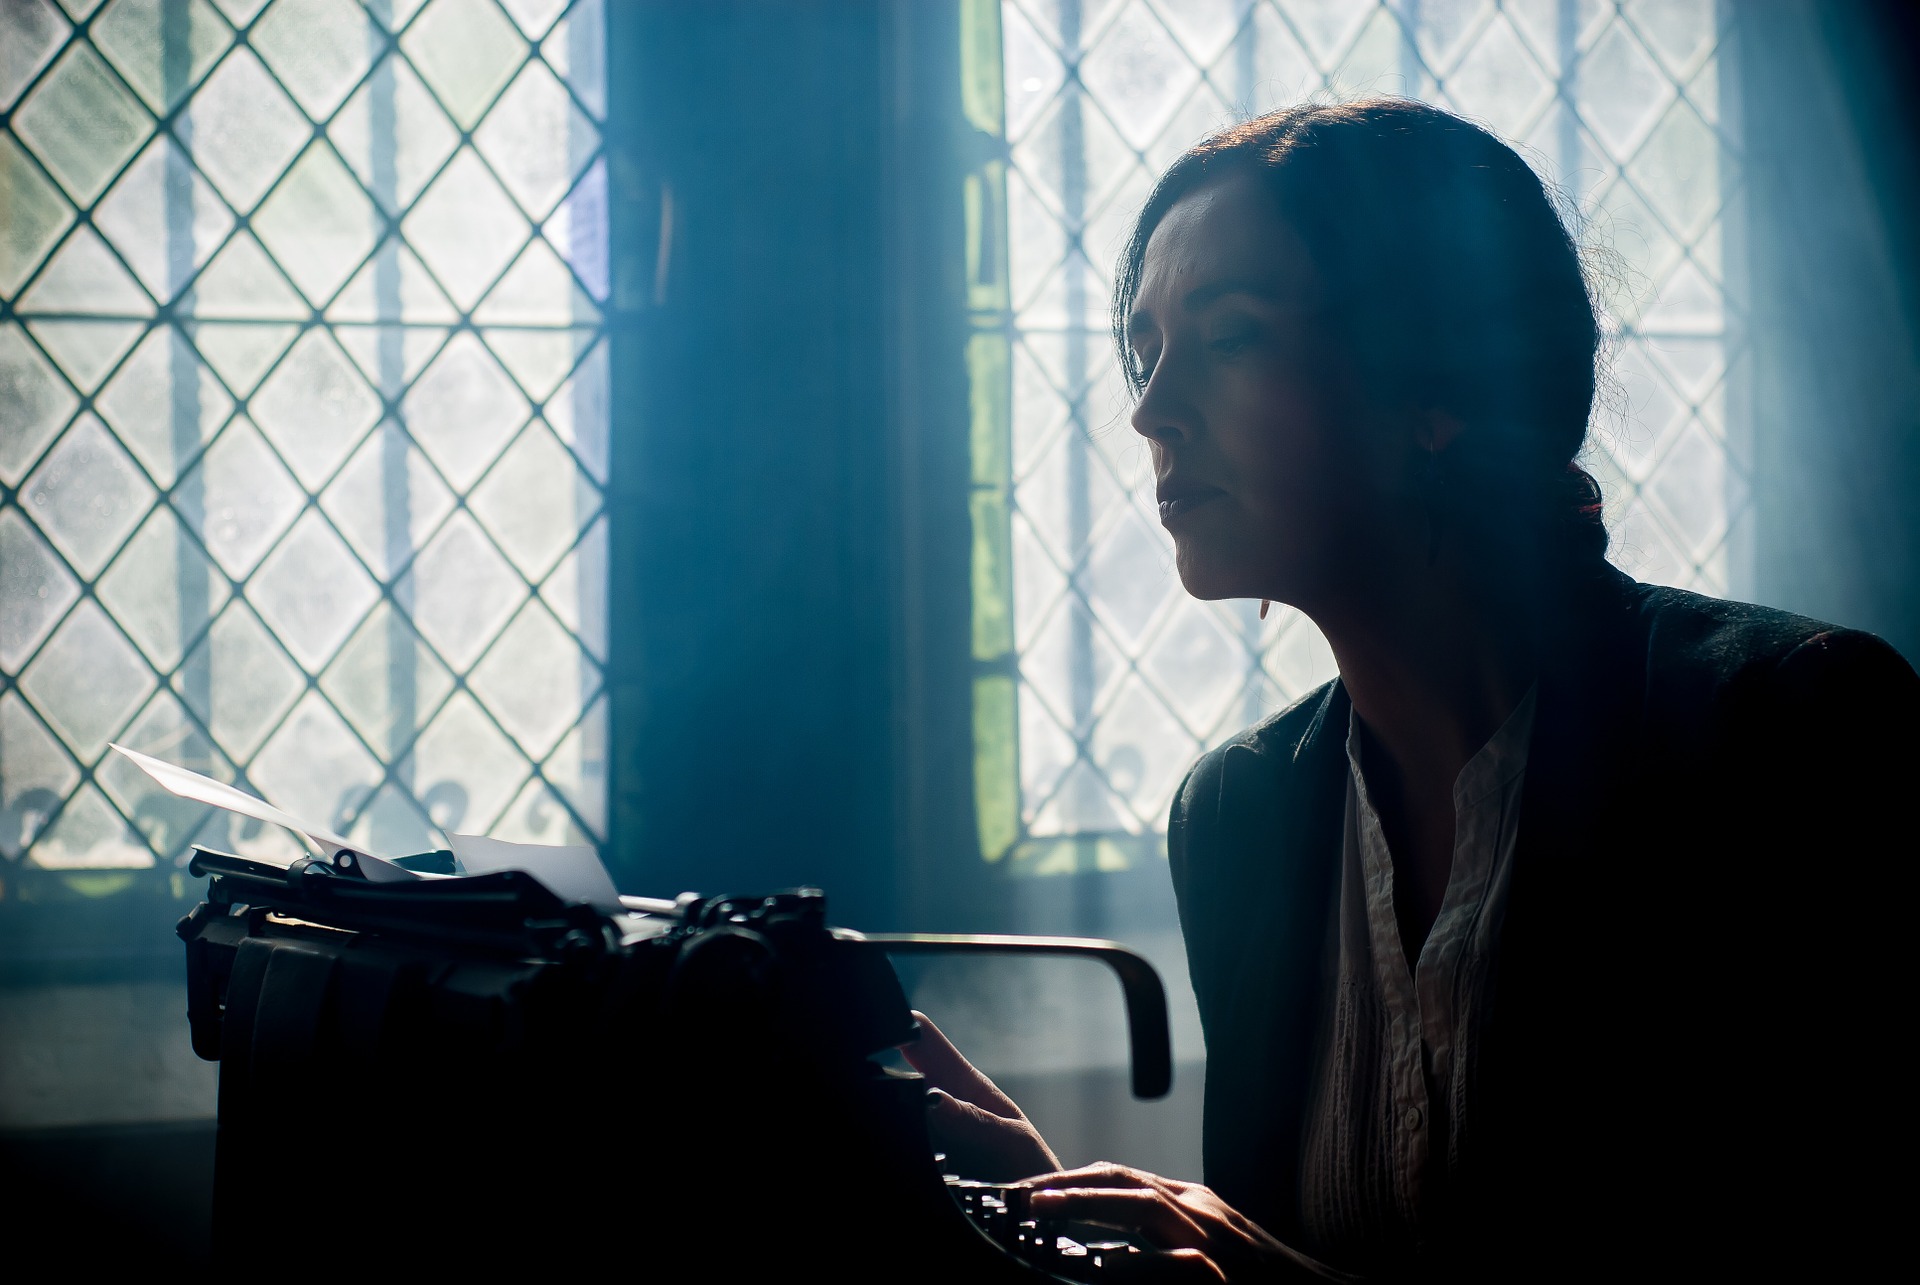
[(469, 1074)]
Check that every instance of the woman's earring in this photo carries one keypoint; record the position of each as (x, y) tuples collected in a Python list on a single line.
[(1264, 604)]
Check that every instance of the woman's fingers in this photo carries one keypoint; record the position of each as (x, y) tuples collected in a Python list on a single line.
[(985, 1146), (1107, 1174), (934, 1056), (1146, 1212), (1164, 1267)]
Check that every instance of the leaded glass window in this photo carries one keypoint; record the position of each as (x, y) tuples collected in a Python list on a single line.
[(1098, 680), (303, 422)]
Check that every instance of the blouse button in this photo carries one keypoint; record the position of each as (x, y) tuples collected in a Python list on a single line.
[(1413, 1118)]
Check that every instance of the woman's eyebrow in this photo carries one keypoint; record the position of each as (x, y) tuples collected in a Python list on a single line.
[(1141, 323), (1201, 296)]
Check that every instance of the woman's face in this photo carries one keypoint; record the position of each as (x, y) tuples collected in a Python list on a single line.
[(1271, 479)]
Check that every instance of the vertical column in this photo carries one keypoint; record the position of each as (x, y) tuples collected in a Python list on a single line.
[(192, 591), (1245, 70), (1082, 798), (1413, 76), (989, 363), (585, 43), (396, 500), (1246, 51), (1567, 54)]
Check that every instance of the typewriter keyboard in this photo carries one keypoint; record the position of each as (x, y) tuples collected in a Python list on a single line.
[(1000, 1211)]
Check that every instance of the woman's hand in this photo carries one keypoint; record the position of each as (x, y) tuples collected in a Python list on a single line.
[(986, 1137), (1185, 1231)]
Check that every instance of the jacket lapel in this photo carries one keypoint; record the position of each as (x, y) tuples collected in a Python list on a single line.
[(1285, 803)]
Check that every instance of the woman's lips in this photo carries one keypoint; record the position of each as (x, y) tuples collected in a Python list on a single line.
[(1174, 507)]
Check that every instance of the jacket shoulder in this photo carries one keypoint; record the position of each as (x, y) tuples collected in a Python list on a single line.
[(1277, 736), (1693, 640)]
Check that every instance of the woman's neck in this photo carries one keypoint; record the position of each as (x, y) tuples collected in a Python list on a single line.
[(1435, 660)]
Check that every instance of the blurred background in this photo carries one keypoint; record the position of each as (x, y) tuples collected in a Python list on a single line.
[(691, 429)]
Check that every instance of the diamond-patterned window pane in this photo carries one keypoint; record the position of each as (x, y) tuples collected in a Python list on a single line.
[(1118, 679), (305, 419)]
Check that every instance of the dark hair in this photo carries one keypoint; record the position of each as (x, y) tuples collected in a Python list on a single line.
[(1450, 281)]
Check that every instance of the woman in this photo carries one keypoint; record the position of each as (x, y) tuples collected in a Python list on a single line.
[(1552, 937)]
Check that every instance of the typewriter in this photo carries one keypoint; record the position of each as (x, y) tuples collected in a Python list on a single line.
[(470, 1074)]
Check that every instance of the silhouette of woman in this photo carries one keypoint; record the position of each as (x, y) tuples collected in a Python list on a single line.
[(1548, 939)]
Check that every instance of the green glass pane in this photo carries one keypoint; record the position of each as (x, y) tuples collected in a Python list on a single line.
[(87, 681), (465, 749), (460, 591), (35, 589), (467, 51), (249, 682), (162, 238), (466, 229), (577, 773), (990, 401), (144, 588), (395, 161), (91, 835), (241, 353), (992, 575), (86, 350), (537, 290), (535, 503), (464, 410), (164, 405), (311, 591), (532, 678), (534, 16), (34, 402), (31, 32), (243, 283), (86, 495), (318, 48), (86, 277), (981, 93), (538, 359), (386, 681), (82, 123), (39, 775), (242, 129), (161, 46), (315, 408), (239, 499), (519, 134), (985, 196), (996, 768), (35, 216), (318, 224)]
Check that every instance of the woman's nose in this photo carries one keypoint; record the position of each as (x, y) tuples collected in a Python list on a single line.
[(1159, 416)]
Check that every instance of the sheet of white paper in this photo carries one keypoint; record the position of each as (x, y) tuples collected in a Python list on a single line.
[(204, 789), (571, 873), (378, 870)]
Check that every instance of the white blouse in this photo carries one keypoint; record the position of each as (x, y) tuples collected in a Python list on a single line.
[(1394, 1092)]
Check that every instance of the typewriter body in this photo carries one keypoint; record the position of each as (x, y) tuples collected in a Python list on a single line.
[(469, 1074)]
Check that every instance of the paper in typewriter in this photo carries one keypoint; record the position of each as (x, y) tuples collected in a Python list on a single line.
[(572, 873)]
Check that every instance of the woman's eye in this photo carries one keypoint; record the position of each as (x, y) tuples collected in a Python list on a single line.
[(1231, 342)]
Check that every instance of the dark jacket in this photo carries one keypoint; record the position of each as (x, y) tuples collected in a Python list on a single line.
[(1691, 1033)]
